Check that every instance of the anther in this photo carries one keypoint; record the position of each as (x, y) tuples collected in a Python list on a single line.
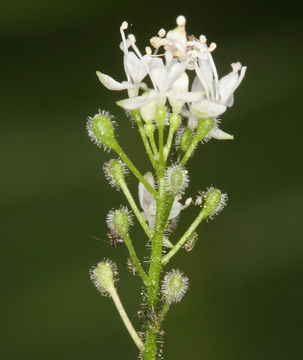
[(181, 21), (162, 33), (212, 47), (124, 25)]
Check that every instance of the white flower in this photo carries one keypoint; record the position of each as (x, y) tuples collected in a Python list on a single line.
[(215, 133), (136, 68), (149, 206), (218, 94), (169, 81)]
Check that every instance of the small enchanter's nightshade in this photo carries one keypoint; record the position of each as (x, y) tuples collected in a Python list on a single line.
[(176, 99)]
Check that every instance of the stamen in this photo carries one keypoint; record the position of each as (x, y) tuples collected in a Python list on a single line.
[(123, 27), (181, 21), (213, 66)]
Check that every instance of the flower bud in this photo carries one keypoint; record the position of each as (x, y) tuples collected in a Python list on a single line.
[(174, 121), (174, 286), (176, 179), (118, 221), (101, 131), (205, 125), (114, 172), (148, 111), (186, 138), (214, 202), (103, 276), (149, 129), (191, 242), (161, 115)]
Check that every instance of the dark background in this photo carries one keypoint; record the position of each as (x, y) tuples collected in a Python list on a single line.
[(246, 272)]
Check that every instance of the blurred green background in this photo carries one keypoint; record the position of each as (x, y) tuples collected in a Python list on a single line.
[(246, 273)]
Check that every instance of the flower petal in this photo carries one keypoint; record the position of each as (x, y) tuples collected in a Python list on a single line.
[(207, 108), (174, 73), (229, 83), (112, 84), (145, 198), (137, 101), (221, 135)]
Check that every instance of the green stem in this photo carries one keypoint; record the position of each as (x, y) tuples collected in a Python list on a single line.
[(202, 215), (154, 146), (136, 115), (163, 313), (135, 260), (189, 151), (134, 170), (135, 209), (169, 141), (126, 321), (156, 253)]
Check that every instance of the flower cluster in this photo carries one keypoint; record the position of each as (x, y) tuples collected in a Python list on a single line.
[(168, 67)]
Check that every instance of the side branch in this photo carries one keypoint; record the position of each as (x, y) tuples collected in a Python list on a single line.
[(202, 215)]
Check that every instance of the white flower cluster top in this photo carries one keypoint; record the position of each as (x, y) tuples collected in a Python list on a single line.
[(175, 55)]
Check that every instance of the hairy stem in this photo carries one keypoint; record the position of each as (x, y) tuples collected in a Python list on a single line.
[(136, 115), (126, 321), (156, 255), (135, 171), (135, 209), (135, 260)]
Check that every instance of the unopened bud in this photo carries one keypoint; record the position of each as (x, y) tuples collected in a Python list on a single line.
[(176, 179), (119, 221), (186, 138), (148, 111), (161, 115), (205, 125), (114, 171), (174, 286), (101, 131), (103, 276), (191, 242), (175, 121), (149, 129)]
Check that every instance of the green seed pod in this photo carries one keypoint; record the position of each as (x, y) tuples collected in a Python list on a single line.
[(103, 276), (191, 242), (176, 179), (186, 138), (114, 172), (214, 202), (101, 131), (119, 221), (205, 125), (174, 286)]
